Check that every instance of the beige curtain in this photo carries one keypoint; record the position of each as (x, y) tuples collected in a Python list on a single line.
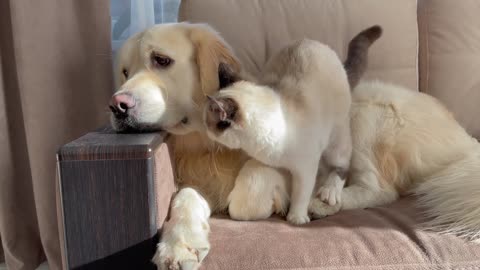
[(55, 81)]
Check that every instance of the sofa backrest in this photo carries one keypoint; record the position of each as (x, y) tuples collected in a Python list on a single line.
[(439, 54), (257, 28), (450, 57)]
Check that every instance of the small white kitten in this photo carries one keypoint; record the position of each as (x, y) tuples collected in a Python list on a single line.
[(296, 118)]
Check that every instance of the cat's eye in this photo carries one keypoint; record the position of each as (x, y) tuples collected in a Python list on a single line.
[(125, 73), (161, 61), (222, 125)]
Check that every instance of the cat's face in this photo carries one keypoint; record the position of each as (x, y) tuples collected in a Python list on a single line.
[(222, 114), (223, 120)]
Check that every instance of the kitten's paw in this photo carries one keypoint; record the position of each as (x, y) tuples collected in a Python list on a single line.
[(331, 194), (298, 219), (331, 191), (320, 209)]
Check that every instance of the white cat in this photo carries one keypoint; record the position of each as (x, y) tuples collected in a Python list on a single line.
[(296, 118), (297, 115)]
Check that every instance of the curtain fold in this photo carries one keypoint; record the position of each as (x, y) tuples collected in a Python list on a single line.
[(55, 82), (2, 257)]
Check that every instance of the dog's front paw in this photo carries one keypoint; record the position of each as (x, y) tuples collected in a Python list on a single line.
[(184, 245), (297, 218), (179, 255), (319, 209)]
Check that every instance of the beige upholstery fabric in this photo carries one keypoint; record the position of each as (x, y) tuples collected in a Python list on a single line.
[(377, 238), (256, 29), (450, 57), (55, 79)]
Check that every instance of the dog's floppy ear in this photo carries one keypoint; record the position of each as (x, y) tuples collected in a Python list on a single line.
[(211, 51), (226, 76)]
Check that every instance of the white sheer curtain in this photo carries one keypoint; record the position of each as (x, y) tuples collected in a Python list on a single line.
[(131, 16)]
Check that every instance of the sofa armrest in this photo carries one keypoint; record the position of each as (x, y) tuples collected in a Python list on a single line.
[(114, 195)]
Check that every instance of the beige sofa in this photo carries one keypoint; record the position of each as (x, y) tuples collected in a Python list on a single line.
[(428, 45)]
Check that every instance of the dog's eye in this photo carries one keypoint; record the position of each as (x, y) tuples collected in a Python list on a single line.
[(222, 125), (161, 61), (125, 73)]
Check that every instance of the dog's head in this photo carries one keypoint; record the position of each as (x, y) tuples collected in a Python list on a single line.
[(164, 74)]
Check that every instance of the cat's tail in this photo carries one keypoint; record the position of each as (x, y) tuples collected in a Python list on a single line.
[(357, 56)]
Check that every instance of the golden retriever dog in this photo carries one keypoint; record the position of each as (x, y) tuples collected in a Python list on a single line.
[(403, 142)]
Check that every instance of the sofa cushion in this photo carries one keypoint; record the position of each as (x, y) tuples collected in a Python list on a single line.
[(256, 29), (377, 238), (450, 57)]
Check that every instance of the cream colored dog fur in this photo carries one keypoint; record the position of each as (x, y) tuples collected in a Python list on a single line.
[(403, 141)]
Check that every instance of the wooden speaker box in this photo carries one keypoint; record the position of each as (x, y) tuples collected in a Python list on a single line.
[(114, 195)]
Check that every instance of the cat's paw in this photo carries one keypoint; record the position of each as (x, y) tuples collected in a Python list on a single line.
[(331, 194), (297, 218), (331, 191), (320, 209)]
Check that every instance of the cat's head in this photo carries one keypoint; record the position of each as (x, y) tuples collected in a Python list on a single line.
[(224, 112)]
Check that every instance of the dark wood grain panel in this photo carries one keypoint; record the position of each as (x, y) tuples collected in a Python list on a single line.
[(105, 143), (108, 188)]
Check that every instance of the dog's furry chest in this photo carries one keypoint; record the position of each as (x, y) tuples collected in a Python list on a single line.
[(211, 169)]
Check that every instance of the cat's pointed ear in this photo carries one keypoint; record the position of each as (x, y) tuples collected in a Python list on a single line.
[(226, 75)]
